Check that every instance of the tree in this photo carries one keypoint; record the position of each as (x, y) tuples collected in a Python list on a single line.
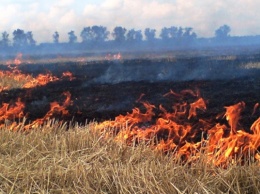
[(72, 37), (174, 32), (130, 36), (138, 36), (149, 34), (86, 34), (19, 38), (119, 34), (179, 32), (30, 40), (222, 32), (94, 34), (56, 37), (170, 33), (134, 35), (188, 35), (164, 33), (5, 39), (179, 35), (100, 33)]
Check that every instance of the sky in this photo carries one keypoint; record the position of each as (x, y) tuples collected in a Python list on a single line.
[(44, 17)]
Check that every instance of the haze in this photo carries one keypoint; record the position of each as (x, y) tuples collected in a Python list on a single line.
[(44, 17)]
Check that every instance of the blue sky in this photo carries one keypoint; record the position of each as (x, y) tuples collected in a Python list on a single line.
[(44, 17)]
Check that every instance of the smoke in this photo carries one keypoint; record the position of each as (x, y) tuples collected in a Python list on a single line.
[(207, 68)]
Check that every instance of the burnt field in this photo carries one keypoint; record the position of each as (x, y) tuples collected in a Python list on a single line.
[(103, 89), (182, 105)]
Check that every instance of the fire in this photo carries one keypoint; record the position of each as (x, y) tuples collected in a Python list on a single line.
[(233, 115), (26, 80), (68, 75), (55, 109), (117, 56), (174, 130), (180, 129), (40, 80), (10, 112), (18, 59)]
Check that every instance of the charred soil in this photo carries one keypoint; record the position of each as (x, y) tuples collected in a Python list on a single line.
[(102, 90)]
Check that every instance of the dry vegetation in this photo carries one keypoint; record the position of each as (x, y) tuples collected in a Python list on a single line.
[(55, 159), (82, 160)]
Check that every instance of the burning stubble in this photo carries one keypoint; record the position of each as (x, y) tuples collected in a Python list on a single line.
[(180, 128)]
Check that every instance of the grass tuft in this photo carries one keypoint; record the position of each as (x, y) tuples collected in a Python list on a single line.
[(82, 160)]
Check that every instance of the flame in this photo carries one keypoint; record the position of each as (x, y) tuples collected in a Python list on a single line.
[(174, 130), (117, 56), (25, 80), (199, 104), (40, 80), (233, 115), (18, 59), (55, 109), (179, 129), (68, 74), (16, 62), (11, 110), (255, 108)]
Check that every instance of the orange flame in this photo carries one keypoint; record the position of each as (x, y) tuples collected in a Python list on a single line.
[(176, 132), (26, 80), (55, 108), (11, 111), (233, 115)]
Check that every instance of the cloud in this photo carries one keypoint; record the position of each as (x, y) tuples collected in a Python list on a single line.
[(44, 17)]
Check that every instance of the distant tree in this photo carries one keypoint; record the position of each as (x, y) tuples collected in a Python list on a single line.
[(180, 35), (179, 32), (174, 32), (164, 33), (188, 35), (187, 32), (5, 39), (87, 34), (19, 38), (138, 36), (119, 34), (56, 37), (100, 33), (134, 35), (130, 36), (170, 33), (72, 37), (149, 34), (94, 34), (222, 32), (30, 40)]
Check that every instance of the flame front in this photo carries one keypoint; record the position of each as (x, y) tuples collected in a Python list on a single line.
[(14, 75), (182, 133), (179, 129)]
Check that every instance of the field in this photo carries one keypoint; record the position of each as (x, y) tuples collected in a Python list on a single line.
[(114, 124)]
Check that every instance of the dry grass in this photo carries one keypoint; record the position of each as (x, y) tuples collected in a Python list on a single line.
[(81, 160), (53, 159), (9, 81)]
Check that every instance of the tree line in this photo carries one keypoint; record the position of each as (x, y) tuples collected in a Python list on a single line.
[(119, 35)]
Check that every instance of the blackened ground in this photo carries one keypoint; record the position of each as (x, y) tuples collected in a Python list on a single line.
[(96, 96)]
